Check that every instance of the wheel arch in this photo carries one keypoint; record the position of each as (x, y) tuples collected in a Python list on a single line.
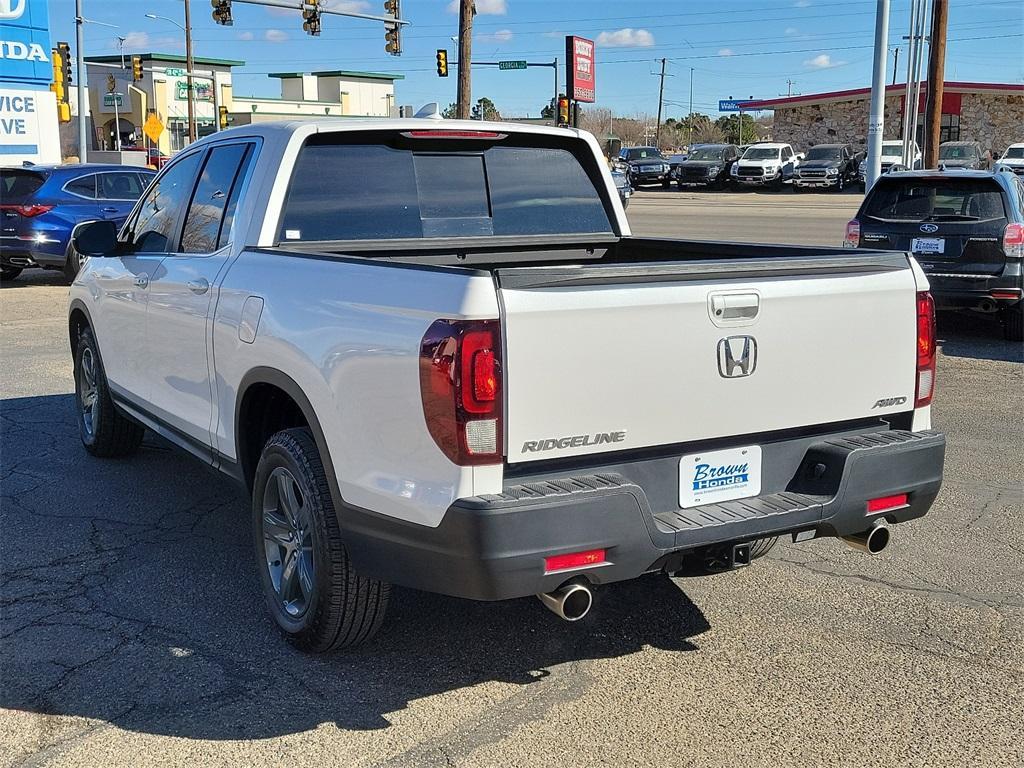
[(253, 387), (78, 319)]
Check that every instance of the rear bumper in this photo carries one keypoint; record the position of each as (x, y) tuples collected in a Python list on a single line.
[(493, 547), (977, 291)]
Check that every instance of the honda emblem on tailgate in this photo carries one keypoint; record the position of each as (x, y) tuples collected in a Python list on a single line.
[(737, 356)]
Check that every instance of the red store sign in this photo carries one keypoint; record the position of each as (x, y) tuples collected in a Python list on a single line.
[(580, 75)]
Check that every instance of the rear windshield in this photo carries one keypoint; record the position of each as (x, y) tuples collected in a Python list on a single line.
[(345, 187), (935, 200), (892, 150), (1017, 153), (18, 184)]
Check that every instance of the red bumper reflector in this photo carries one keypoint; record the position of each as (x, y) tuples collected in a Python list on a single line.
[(574, 560), (1010, 294), (885, 503)]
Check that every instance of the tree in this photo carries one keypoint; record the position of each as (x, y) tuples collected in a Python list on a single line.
[(484, 109), (450, 112), (550, 109), (738, 128)]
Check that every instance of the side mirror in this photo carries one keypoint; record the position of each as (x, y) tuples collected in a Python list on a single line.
[(97, 238)]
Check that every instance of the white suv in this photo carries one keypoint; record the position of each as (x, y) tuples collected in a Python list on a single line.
[(766, 163), (1013, 158)]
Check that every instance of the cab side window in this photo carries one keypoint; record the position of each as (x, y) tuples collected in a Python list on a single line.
[(157, 220), (208, 221)]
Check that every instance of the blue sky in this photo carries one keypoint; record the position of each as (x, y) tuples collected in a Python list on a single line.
[(738, 48)]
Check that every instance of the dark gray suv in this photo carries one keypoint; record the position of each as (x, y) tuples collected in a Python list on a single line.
[(965, 228)]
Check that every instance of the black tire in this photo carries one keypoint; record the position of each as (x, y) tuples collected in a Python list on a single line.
[(797, 190), (105, 432), (667, 184), (1013, 323), (9, 273), (325, 604), (762, 547), (72, 263)]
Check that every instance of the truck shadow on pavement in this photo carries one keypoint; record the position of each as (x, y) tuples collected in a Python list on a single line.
[(130, 597), (975, 336)]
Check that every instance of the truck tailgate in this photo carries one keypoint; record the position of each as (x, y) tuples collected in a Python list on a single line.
[(617, 357)]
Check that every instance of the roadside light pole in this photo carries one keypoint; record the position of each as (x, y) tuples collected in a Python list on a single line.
[(876, 118), (189, 69), (83, 143)]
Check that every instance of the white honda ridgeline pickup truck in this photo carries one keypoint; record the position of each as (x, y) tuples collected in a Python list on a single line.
[(435, 356)]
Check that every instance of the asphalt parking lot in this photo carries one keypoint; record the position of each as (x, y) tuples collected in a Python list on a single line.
[(132, 630)]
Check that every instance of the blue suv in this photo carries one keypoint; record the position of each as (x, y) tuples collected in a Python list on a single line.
[(42, 205)]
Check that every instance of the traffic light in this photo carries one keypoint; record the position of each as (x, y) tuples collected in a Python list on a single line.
[(58, 86), (65, 57), (222, 117), (442, 62), (222, 12), (563, 111), (311, 17), (392, 31), (136, 68)]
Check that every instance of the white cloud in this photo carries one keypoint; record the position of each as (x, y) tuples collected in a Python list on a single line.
[(626, 38), (551, 34), (726, 52), (135, 40), (483, 7), (802, 4), (348, 6), (823, 61), (275, 36), (501, 36), (792, 31), (245, 36)]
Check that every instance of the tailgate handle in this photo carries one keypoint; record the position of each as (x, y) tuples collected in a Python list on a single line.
[(735, 306)]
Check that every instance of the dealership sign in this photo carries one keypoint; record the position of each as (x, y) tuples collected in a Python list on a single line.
[(580, 75), (201, 91), (25, 43)]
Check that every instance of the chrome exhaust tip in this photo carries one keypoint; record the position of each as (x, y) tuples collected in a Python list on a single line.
[(570, 602), (873, 540)]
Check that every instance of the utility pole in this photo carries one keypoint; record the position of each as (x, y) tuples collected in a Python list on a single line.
[(895, 63), (661, 95), (876, 120), (83, 142), (189, 69), (936, 76), (467, 9), (689, 116)]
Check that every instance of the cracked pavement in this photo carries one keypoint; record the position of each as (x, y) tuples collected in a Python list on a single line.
[(132, 630)]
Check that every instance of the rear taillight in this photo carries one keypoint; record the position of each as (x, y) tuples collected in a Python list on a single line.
[(28, 210), (1013, 241), (852, 238), (925, 349), (460, 384)]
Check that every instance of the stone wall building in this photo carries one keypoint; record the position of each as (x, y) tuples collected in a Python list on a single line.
[(991, 113)]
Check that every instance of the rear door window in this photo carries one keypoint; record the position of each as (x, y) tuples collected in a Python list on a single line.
[(205, 218), (938, 199), (360, 191)]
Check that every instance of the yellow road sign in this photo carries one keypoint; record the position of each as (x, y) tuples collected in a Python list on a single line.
[(153, 127)]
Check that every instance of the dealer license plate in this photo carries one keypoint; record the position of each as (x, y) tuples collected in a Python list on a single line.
[(928, 245), (713, 476)]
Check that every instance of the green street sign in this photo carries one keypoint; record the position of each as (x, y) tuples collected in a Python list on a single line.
[(511, 65), (173, 72)]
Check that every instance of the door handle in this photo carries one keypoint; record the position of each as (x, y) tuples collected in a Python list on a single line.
[(109, 210), (202, 285), (141, 281)]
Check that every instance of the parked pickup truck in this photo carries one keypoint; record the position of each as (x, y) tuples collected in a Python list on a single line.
[(466, 375)]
